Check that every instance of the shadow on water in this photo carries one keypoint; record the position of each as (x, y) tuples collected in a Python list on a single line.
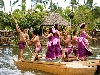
[(7, 67)]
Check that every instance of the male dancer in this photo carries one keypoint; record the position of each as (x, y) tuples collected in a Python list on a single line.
[(36, 42), (68, 46), (23, 38), (75, 43)]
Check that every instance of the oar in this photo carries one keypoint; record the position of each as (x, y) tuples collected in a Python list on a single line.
[(23, 36), (29, 48)]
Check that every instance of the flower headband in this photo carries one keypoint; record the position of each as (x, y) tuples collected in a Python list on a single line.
[(82, 24)]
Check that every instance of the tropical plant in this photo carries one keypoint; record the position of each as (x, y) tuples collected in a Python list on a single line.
[(90, 2), (83, 15), (6, 20), (2, 4), (23, 4)]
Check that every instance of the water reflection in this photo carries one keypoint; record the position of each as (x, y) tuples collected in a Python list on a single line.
[(7, 67)]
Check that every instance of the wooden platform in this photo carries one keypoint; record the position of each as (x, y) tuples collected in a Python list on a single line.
[(71, 68)]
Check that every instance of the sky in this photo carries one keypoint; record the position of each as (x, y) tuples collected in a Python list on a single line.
[(28, 4)]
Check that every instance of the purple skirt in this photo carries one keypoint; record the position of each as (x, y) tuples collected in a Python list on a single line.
[(83, 52), (21, 45), (75, 51), (68, 50), (50, 54), (57, 50)]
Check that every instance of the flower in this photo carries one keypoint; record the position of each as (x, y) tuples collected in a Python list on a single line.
[(53, 30), (82, 24)]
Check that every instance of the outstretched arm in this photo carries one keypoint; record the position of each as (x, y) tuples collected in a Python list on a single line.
[(47, 35), (91, 37), (16, 24)]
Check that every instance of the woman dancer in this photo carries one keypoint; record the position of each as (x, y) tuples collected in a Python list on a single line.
[(83, 43), (57, 40), (50, 54)]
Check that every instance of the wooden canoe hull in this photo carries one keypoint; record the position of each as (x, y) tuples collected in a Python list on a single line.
[(59, 68)]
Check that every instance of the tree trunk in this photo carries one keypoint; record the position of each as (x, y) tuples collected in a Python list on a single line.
[(24, 5), (51, 5), (84, 1), (10, 6)]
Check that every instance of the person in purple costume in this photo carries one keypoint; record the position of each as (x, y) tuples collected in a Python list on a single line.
[(75, 43), (83, 43), (56, 41), (50, 53)]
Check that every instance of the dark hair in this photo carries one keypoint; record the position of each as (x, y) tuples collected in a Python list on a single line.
[(22, 29), (35, 32), (50, 30), (74, 32), (56, 26), (82, 26)]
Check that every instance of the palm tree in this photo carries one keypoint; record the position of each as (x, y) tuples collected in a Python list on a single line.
[(31, 4), (23, 4), (84, 1), (10, 5), (2, 5), (51, 5), (90, 2)]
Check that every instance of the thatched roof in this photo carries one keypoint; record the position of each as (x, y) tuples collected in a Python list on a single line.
[(55, 18)]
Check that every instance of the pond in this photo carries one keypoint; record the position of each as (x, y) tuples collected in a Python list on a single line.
[(7, 53)]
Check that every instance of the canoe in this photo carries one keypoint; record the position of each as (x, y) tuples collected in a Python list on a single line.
[(71, 68)]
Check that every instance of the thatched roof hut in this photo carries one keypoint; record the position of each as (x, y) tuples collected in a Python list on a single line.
[(54, 18)]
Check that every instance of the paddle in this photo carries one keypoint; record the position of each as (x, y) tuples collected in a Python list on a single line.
[(23, 36)]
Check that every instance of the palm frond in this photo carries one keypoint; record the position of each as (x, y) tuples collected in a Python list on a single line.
[(15, 2), (1, 3)]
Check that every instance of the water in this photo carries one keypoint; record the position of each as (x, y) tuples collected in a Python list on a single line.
[(7, 67)]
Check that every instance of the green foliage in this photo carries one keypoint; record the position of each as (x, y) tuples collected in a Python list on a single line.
[(27, 19), (39, 7), (1, 3), (15, 2), (96, 12), (73, 2), (6, 20), (90, 2), (83, 15)]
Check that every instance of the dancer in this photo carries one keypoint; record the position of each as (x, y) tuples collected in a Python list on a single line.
[(50, 53), (57, 40), (75, 43), (83, 43), (68, 46), (24, 38), (36, 42)]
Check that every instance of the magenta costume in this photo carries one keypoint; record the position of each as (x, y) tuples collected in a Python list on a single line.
[(21, 45), (56, 43), (50, 54), (83, 46), (38, 48), (75, 51), (68, 50)]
